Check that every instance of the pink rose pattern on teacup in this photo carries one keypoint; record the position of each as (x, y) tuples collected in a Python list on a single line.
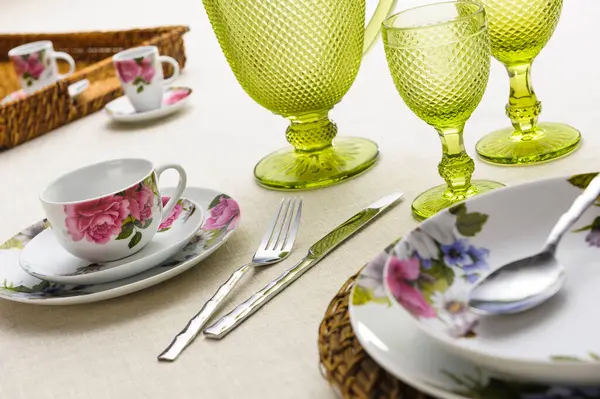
[(226, 213), (30, 67), (139, 71), (121, 216), (175, 212), (175, 95)]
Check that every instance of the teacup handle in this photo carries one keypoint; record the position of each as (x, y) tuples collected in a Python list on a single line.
[(180, 187), (65, 57), (174, 64)]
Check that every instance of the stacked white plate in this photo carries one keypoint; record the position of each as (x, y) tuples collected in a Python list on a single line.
[(408, 307)]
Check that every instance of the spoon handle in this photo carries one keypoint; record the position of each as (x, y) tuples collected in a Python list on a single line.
[(580, 205)]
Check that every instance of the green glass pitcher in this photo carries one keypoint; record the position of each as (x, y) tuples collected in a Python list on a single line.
[(298, 58)]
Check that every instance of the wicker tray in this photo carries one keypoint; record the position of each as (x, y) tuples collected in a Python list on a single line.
[(51, 107), (346, 365)]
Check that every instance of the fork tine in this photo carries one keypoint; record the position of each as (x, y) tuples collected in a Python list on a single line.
[(283, 227), (272, 226), (293, 227)]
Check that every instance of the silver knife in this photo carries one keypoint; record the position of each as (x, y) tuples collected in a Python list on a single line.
[(318, 251)]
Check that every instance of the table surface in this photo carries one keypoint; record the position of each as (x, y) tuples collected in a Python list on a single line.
[(108, 349)]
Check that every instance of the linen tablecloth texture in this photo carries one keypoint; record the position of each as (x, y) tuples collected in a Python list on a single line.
[(108, 349)]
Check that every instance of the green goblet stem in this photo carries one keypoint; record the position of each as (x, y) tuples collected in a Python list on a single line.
[(523, 107), (456, 166), (311, 132)]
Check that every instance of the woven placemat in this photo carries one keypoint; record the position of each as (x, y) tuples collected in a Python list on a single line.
[(344, 362)]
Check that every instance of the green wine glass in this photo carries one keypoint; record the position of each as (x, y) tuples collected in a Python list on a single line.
[(519, 30), (439, 58)]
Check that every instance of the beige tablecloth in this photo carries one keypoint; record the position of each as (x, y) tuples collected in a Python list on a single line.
[(108, 349)]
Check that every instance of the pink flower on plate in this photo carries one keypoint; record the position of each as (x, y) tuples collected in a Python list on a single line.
[(35, 65), (226, 213), (128, 70), (148, 70), (400, 278), (20, 64), (140, 202), (175, 212), (96, 220), (176, 96)]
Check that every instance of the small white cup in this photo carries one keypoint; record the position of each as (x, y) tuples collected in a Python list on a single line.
[(35, 65), (109, 210), (140, 71)]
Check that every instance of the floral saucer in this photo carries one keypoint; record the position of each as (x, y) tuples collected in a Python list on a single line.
[(174, 99), (222, 217), (74, 90), (392, 339), (46, 259), (431, 271)]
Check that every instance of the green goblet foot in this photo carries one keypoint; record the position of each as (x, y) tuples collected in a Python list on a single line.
[(441, 197), (290, 169), (548, 141)]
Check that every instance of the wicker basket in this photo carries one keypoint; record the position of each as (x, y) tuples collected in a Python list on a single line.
[(346, 365), (25, 119)]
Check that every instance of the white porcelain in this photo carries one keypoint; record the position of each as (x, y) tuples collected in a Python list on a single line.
[(391, 338), (108, 210), (35, 65), (45, 259), (174, 98), (140, 71), (432, 269), (222, 216), (75, 90)]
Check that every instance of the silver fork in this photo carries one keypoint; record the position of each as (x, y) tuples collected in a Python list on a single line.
[(275, 246)]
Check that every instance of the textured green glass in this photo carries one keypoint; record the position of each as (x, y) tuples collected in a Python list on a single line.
[(519, 29), (439, 58), (298, 58)]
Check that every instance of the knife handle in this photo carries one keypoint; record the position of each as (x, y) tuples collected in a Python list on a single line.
[(193, 327), (227, 323)]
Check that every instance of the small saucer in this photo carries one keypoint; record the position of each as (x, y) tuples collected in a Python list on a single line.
[(45, 259), (15, 95), (174, 99)]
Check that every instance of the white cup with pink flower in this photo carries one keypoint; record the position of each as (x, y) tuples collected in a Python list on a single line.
[(140, 71), (35, 65), (109, 210)]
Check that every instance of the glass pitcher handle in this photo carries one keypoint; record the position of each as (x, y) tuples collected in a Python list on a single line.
[(384, 8)]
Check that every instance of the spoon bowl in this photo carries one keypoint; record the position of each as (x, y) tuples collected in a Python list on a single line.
[(518, 286)]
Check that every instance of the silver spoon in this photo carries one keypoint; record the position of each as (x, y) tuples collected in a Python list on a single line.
[(526, 283)]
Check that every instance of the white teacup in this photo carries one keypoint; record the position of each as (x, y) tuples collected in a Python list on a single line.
[(140, 71), (109, 210), (35, 65)]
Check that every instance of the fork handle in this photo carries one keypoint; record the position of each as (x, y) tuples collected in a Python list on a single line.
[(193, 327)]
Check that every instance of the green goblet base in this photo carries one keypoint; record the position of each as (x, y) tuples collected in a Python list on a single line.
[(440, 197), (547, 142), (290, 169)]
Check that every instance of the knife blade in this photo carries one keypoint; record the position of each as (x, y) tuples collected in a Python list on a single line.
[(316, 252)]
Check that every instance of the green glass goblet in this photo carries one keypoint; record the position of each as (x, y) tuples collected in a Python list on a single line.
[(519, 29), (298, 58), (439, 58)]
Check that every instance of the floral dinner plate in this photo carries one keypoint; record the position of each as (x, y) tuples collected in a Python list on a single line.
[(222, 217), (430, 272), (46, 259), (392, 339)]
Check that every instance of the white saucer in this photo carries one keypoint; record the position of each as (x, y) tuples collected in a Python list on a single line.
[(397, 344), (222, 217), (174, 99), (46, 259)]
